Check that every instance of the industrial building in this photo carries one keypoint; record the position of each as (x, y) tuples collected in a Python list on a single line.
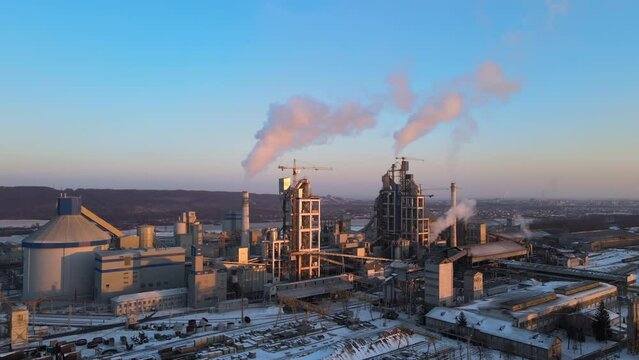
[(494, 333), (598, 240), (207, 286), (129, 271), (305, 230), (58, 258), (438, 280), (400, 212), (149, 301), (391, 263), (504, 249), (534, 306), (232, 221), (469, 233)]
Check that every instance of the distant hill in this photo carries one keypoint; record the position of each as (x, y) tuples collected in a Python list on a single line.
[(131, 207)]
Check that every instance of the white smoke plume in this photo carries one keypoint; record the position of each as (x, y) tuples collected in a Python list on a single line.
[(401, 94), (463, 211), (523, 225), (303, 121), (455, 100)]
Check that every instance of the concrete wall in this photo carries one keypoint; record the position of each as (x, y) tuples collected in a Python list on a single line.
[(64, 272), (504, 344), (137, 271), (154, 303), (438, 283), (207, 288)]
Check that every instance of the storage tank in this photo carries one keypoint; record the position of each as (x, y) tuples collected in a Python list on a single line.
[(58, 259), (147, 236), (179, 228)]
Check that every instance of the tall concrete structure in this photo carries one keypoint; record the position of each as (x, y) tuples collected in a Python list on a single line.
[(305, 231), (246, 223), (273, 252), (58, 257), (301, 226), (400, 210), (438, 281), (453, 204), (206, 287)]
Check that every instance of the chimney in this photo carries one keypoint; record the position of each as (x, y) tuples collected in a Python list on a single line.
[(453, 204), (246, 224)]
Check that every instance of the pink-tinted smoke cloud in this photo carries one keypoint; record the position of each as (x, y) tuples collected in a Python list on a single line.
[(303, 121), (401, 94), (456, 99), (447, 107)]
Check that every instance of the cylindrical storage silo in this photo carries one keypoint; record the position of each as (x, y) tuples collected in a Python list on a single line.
[(179, 228), (147, 236), (59, 258)]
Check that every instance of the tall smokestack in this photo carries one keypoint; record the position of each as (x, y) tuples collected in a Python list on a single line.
[(246, 224), (453, 204)]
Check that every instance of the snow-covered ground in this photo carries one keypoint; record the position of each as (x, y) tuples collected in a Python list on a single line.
[(325, 337)]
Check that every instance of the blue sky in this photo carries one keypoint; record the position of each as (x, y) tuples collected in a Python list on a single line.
[(168, 95)]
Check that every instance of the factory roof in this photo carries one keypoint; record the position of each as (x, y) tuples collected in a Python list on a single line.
[(67, 231), (538, 299), (495, 327), (495, 250), (563, 272), (149, 295)]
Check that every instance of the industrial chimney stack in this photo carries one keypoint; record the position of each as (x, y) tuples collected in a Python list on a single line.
[(453, 204), (246, 224)]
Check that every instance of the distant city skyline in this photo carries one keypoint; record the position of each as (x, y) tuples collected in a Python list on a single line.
[(151, 95)]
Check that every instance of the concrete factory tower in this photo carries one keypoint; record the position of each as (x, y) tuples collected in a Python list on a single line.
[(246, 224), (58, 259), (453, 205), (401, 212)]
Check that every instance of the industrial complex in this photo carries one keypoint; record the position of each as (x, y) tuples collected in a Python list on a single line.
[(409, 283)]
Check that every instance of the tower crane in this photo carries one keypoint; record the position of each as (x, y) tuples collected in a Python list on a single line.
[(297, 169)]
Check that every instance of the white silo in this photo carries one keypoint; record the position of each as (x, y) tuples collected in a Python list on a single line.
[(58, 259)]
